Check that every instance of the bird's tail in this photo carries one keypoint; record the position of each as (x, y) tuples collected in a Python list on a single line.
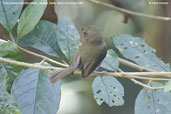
[(58, 74)]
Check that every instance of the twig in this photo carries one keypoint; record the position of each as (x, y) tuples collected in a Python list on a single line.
[(142, 84), (163, 74), (142, 74), (134, 66), (43, 57), (41, 62), (27, 64), (115, 74), (130, 12), (35, 54), (145, 85)]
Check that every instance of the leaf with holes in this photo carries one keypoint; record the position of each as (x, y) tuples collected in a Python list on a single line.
[(153, 102), (34, 94), (10, 12), (68, 38), (111, 61), (135, 49), (43, 38), (108, 89), (30, 17)]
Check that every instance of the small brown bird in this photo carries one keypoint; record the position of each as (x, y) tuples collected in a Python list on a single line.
[(88, 57)]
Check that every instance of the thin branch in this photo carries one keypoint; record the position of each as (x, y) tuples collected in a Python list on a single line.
[(147, 78), (27, 64), (41, 62), (134, 66), (145, 85), (163, 74), (142, 74), (43, 57), (115, 74), (131, 12), (142, 84), (35, 54)]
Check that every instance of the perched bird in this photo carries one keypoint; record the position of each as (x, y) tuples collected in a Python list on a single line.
[(88, 57)]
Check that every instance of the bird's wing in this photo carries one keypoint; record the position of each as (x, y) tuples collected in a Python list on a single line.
[(91, 65), (75, 62)]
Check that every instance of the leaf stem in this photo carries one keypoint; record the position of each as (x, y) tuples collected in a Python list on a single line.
[(11, 37)]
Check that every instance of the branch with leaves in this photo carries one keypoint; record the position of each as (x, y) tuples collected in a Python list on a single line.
[(60, 42), (121, 10), (129, 75)]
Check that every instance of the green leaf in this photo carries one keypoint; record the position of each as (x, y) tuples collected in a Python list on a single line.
[(108, 89), (34, 94), (7, 103), (111, 61), (30, 17), (9, 12), (43, 38), (153, 102), (8, 50), (68, 38), (9, 72), (167, 87), (135, 49)]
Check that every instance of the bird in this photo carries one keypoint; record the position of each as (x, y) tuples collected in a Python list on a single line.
[(90, 54)]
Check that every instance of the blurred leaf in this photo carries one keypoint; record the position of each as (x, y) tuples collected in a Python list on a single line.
[(153, 102), (68, 38), (108, 89), (167, 87), (30, 17), (108, 25), (7, 103), (9, 12), (111, 61), (135, 49), (34, 94), (9, 72), (43, 38)]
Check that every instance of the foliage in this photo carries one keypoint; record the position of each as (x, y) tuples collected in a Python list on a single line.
[(152, 102), (31, 90), (9, 13), (137, 50), (108, 89), (28, 20), (28, 91)]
